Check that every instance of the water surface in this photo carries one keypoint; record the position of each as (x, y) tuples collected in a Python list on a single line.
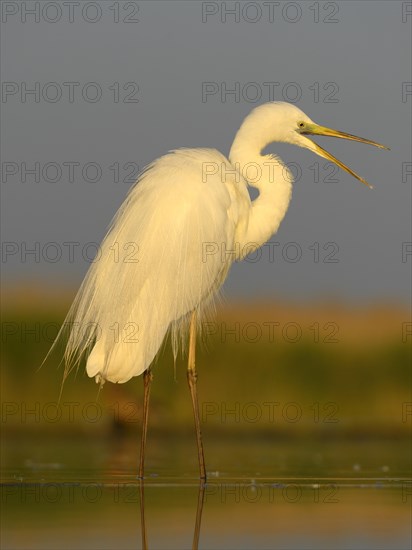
[(82, 492)]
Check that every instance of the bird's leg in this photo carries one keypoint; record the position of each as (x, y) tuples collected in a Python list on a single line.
[(192, 378), (147, 379)]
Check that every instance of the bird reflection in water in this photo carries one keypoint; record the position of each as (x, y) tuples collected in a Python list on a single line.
[(198, 520)]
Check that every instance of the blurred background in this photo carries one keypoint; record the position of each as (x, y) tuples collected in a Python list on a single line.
[(305, 370)]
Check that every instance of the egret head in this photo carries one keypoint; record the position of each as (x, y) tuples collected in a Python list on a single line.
[(284, 122), (298, 126)]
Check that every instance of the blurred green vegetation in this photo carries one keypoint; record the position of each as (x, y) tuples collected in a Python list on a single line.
[(246, 385)]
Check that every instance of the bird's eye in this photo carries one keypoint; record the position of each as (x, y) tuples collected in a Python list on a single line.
[(301, 124)]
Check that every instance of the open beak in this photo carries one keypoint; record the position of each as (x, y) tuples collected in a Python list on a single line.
[(316, 130)]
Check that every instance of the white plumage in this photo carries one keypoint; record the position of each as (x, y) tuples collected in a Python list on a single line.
[(154, 266)]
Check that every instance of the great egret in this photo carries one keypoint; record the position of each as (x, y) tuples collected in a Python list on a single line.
[(172, 242)]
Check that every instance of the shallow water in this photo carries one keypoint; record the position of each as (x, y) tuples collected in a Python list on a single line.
[(82, 492)]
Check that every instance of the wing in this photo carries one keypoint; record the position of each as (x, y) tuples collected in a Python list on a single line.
[(167, 251)]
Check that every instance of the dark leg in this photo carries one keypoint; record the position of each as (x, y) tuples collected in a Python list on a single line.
[(147, 379), (192, 378)]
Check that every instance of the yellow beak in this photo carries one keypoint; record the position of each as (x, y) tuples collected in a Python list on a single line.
[(316, 130)]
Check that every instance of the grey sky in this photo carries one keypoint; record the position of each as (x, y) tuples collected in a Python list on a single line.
[(349, 74)]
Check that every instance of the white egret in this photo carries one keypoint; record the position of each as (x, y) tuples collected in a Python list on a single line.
[(162, 260)]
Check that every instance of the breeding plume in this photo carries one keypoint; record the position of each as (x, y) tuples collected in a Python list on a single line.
[(161, 262)]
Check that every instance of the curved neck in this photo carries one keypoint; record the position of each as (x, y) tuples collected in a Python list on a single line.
[(266, 173)]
